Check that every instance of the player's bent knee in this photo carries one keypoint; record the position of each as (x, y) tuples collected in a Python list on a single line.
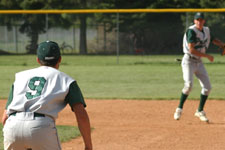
[(187, 87), (186, 90), (206, 91)]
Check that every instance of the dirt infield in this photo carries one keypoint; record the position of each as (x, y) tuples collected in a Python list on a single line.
[(149, 125)]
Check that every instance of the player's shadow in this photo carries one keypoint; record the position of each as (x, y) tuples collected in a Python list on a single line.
[(216, 123)]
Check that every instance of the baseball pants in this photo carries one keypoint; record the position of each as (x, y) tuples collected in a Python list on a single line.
[(25, 131), (190, 67)]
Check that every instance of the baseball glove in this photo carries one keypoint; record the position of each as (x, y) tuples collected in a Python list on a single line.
[(222, 50)]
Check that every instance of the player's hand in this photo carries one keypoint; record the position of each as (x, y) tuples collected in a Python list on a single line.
[(223, 49), (210, 58)]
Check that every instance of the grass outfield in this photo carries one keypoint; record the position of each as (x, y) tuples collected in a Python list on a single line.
[(65, 133), (135, 77)]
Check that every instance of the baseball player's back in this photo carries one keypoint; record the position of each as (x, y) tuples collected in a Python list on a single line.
[(40, 90), (36, 97)]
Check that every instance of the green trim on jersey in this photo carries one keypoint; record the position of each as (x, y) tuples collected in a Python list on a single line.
[(10, 97), (191, 36), (74, 95)]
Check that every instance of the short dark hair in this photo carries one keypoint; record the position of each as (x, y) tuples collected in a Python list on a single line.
[(50, 63)]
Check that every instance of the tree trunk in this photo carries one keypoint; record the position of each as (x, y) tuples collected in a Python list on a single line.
[(83, 28), (83, 40), (32, 46)]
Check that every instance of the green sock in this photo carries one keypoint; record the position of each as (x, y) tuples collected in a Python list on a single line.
[(182, 100), (203, 99)]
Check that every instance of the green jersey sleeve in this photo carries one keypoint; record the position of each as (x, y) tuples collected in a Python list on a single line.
[(191, 36), (74, 95), (10, 98)]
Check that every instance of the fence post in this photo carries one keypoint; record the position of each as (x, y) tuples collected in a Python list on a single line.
[(117, 38), (6, 38), (15, 37), (187, 21), (74, 39), (46, 25)]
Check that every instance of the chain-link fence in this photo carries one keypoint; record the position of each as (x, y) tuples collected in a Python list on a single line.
[(128, 33)]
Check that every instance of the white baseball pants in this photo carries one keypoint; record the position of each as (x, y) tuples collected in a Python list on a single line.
[(24, 131), (190, 67)]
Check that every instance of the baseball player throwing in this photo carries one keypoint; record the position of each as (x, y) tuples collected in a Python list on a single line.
[(195, 43), (36, 97)]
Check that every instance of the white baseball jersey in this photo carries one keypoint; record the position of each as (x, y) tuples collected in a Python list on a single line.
[(193, 65), (43, 90), (202, 41)]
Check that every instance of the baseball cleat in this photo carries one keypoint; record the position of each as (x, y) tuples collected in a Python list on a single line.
[(201, 115), (177, 114)]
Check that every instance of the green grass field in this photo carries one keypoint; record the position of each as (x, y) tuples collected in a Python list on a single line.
[(135, 77), (65, 133)]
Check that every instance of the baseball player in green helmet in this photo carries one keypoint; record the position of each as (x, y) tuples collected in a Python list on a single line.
[(36, 97), (195, 44)]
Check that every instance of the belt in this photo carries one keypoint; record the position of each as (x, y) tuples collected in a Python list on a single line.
[(192, 57), (35, 114)]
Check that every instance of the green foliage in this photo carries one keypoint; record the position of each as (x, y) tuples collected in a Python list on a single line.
[(65, 133), (139, 28), (33, 25), (212, 3), (32, 4), (166, 4)]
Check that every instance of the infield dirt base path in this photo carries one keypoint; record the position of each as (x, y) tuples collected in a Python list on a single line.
[(149, 125)]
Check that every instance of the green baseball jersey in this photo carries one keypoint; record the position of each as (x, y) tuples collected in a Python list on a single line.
[(44, 90)]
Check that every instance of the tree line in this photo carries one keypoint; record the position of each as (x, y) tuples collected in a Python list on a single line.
[(143, 30)]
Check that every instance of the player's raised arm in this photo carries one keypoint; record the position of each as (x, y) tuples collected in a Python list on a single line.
[(218, 43)]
